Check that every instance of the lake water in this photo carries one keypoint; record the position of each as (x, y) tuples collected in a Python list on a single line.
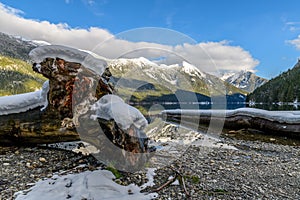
[(277, 106)]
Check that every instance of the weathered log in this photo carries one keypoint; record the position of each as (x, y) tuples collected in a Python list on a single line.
[(284, 123), (33, 127), (73, 88)]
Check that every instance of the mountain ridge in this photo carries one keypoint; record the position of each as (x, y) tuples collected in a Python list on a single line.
[(184, 76)]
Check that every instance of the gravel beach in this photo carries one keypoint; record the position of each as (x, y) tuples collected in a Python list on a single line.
[(256, 170)]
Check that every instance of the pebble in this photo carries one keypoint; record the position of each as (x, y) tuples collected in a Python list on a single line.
[(41, 159)]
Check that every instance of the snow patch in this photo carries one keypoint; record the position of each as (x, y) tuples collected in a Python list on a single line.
[(96, 184), (150, 176), (191, 69)]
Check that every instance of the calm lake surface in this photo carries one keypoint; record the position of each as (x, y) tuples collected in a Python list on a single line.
[(276, 106)]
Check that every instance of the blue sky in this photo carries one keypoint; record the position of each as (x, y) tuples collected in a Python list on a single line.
[(267, 30)]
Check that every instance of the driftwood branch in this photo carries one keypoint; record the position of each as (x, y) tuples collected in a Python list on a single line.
[(284, 123)]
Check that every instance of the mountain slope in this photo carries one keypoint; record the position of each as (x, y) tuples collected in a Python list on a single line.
[(16, 76), (244, 80), (283, 88), (15, 47)]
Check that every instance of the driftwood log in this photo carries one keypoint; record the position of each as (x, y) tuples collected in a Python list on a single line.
[(55, 122), (73, 88), (283, 123)]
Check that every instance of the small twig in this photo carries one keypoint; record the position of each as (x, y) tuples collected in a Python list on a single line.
[(165, 184), (182, 181), (70, 170), (183, 185)]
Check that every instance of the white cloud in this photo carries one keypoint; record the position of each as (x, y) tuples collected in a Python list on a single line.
[(208, 56), (89, 2), (10, 10), (292, 26), (169, 20), (52, 33), (295, 42)]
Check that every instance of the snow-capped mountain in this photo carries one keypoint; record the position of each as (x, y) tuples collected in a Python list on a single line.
[(15, 47), (162, 74), (40, 42), (140, 73), (244, 80)]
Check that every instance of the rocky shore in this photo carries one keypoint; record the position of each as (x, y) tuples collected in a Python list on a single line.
[(256, 170)]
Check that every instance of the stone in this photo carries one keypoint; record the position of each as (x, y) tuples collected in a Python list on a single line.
[(41, 159), (232, 132)]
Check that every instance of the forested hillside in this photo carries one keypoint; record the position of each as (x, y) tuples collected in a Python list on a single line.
[(283, 88)]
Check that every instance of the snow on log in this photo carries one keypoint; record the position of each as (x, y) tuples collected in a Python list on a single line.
[(113, 107), (23, 102)]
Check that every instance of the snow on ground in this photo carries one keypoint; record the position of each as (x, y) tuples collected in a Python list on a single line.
[(209, 141), (23, 102), (281, 116), (96, 184)]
